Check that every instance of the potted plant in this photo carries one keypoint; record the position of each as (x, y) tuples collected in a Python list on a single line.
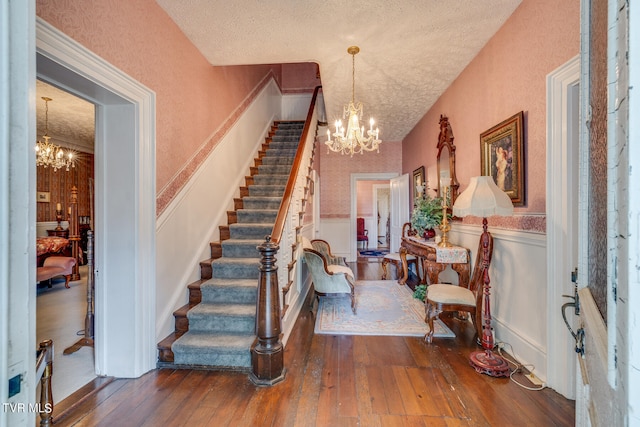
[(426, 215), (420, 292)]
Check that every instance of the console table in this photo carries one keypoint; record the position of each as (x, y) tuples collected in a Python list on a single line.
[(435, 259)]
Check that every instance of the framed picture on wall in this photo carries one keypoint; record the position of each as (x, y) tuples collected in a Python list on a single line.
[(43, 196), (502, 157), (419, 184)]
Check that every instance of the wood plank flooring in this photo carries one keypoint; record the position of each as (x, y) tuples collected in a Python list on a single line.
[(332, 381)]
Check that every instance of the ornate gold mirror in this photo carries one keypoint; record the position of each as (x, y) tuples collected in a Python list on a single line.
[(447, 162)]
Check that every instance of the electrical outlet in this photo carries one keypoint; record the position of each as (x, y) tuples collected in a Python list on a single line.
[(534, 380)]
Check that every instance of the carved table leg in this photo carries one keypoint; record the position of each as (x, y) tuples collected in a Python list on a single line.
[(405, 270), (432, 270), (385, 261)]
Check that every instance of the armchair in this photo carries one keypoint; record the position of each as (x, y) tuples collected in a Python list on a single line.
[(441, 298), (363, 233), (323, 247), (329, 280)]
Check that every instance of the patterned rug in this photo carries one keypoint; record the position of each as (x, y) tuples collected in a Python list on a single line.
[(372, 253), (382, 308)]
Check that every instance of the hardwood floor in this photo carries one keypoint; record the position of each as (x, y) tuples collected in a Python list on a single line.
[(332, 381)]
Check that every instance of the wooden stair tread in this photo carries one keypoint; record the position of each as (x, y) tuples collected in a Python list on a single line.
[(165, 353)]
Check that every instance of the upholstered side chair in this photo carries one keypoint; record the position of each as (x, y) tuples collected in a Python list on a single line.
[(329, 280), (441, 298), (363, 233)]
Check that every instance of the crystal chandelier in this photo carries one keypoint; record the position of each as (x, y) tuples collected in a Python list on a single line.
[(49, 154), (353, 140)]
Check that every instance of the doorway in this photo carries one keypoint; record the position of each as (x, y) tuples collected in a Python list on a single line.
[(366, 206), (563, 118), (69, 122), (125, 217)]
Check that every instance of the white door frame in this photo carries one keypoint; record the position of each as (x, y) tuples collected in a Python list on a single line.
[(563, 106), (377, 187), (17, 209), (125, 218), (399, 211), (353, 229)]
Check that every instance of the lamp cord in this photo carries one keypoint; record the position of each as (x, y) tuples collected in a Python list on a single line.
[(518, 367)]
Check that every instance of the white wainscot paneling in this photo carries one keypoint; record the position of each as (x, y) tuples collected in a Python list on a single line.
[(336, 231), (518, 290), (191, 221), (43, 226), (296, 106), (298, 293)]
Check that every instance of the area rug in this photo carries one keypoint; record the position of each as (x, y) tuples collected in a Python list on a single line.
[(372, 253), (382, 308)]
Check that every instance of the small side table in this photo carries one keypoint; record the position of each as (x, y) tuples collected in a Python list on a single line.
[(58, 233), (435, 259)]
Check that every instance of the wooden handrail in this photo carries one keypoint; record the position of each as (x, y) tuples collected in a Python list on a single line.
[(278, 227), (44, 370)]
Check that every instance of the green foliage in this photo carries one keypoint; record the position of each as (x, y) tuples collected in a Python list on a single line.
[(427, 214), (420, 292)]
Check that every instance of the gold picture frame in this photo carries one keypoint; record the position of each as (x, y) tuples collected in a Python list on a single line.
[(502, 156), (43, 196), (419, 183)]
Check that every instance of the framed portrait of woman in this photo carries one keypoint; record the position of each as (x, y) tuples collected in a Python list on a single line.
[(419, 184), (502, 157)]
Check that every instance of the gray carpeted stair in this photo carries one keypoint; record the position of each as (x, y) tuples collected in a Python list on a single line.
[(222, 327)]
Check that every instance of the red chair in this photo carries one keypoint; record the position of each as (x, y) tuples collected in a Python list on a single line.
[(363, 234)]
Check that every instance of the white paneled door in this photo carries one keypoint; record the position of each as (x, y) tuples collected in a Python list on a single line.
[(399, 209)]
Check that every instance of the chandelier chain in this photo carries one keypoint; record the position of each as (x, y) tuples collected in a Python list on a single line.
[(50, 154), (352, 140)]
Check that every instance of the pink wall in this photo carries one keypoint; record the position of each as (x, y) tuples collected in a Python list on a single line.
[(301, 77), (364, 190), (335, 175), (196, 103), (507, 76)]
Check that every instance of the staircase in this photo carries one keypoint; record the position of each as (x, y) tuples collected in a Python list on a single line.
[(217, 327)]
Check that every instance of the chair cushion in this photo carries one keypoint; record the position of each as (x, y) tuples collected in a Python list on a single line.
[(66, 264), (396, 256), (335, 268), (450, 294), (46, 273)]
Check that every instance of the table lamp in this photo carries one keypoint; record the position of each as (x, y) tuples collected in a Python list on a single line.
[(483, 198)]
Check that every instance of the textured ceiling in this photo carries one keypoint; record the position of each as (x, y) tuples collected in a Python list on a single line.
[(410, 51), (71, 119)]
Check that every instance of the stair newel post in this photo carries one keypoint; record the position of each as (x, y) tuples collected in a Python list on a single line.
[(267, 352)]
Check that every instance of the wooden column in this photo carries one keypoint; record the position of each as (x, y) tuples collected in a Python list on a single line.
[(87, 340), (45, 356), (74, 233), (267, 352)]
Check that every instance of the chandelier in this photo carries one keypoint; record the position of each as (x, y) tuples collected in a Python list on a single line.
[(352, 140), (49, 154)]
